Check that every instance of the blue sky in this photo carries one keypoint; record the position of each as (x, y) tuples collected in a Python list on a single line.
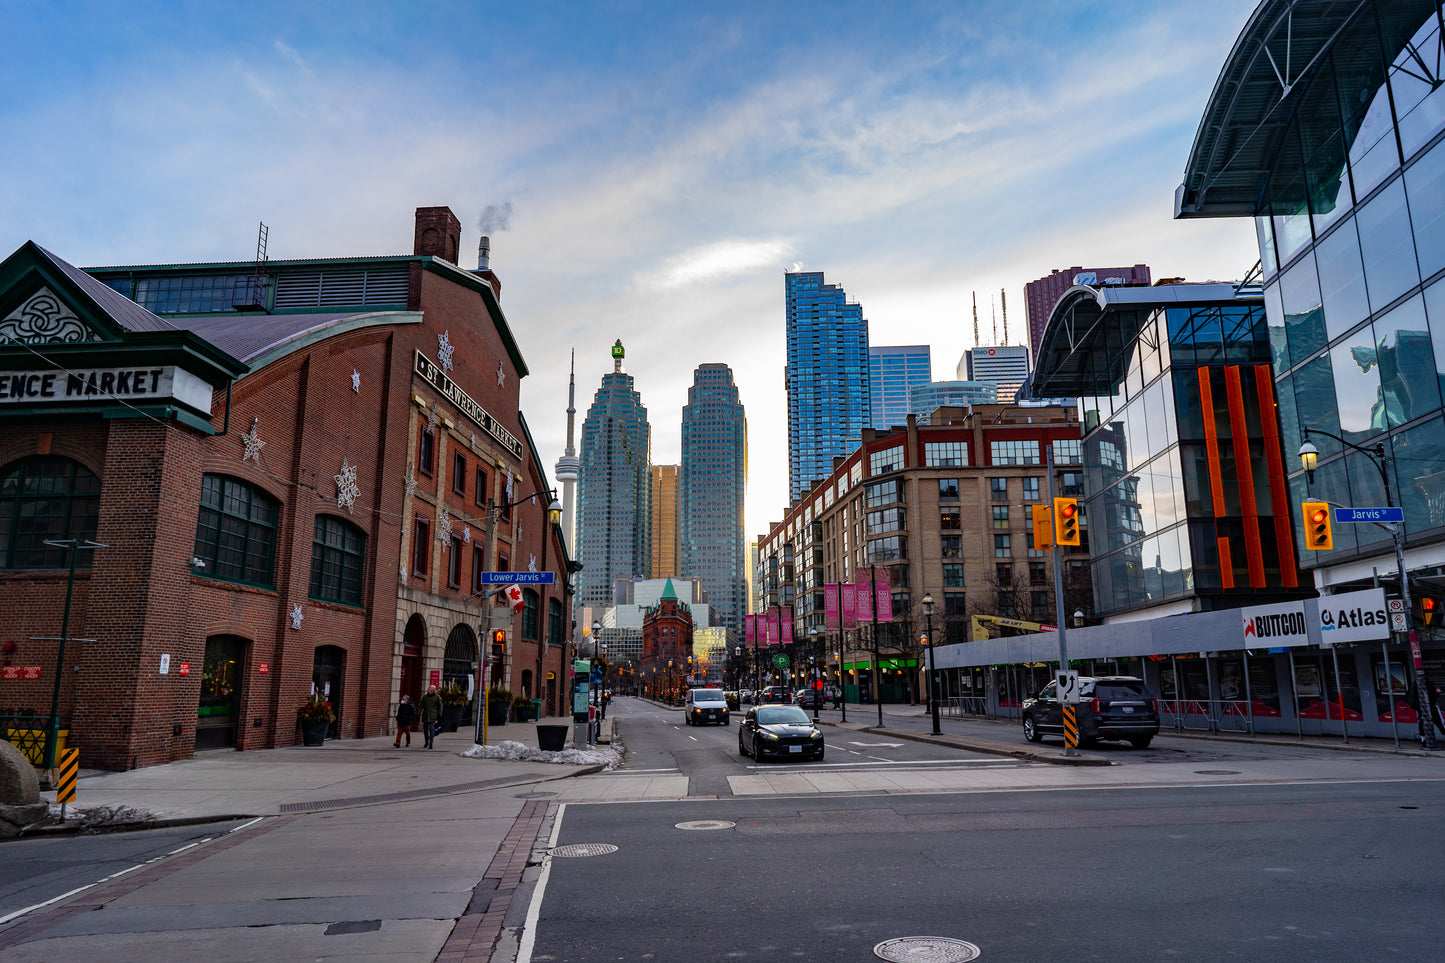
[(663, 164)]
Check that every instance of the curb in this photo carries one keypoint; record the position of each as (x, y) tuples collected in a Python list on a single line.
[(988, 748)]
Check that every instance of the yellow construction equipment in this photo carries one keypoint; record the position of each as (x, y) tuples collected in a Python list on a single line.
[(981, 622)]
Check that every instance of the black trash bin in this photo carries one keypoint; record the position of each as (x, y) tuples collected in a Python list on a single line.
[(552, 738)]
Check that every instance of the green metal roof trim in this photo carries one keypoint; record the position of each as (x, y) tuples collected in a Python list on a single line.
[(1245, 122), (466, 278), (329, 329)]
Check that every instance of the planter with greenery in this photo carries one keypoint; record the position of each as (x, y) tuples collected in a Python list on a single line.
[(315, 716), (499, 706), (454, 707)]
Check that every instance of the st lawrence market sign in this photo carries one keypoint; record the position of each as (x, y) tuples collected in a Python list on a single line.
[(99, 385), (453, 393)]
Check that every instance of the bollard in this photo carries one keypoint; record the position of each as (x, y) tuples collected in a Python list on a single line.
[(69, 772)]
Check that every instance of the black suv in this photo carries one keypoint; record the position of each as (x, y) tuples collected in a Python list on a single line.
[(1110, 707)]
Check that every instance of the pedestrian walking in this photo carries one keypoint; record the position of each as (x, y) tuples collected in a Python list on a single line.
[(405, 717), (431, 714)]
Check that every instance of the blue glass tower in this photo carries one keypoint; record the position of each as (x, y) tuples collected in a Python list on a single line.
[(892, 371), (829, 398), (713, 480), (614, 537)]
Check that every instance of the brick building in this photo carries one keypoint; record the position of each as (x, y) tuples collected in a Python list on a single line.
[(295, 474), (666, 643)]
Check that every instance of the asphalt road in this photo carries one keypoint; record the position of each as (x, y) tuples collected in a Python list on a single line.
[(1280, 873)]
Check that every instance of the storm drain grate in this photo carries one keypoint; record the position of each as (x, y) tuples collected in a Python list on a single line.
[(584, 849), (926, 949), (1216, 772), (706, 824)]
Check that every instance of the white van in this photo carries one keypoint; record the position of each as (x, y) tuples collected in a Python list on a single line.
[(705, 705)]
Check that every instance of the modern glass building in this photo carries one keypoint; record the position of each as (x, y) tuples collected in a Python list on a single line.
[(827, 377), (1342, 166), (711, 487), (1184, 480), (924, 399), (614, 492), (893, 370), (1005, 365)]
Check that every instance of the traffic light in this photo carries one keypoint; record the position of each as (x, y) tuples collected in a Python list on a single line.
[(1066, 521), (1428, 609), (1043, 528), (499, 643), (1318, 537)]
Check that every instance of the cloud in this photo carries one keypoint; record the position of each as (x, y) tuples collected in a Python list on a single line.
[(712, 262)]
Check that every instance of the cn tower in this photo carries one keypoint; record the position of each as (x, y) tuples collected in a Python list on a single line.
[(569, 466)]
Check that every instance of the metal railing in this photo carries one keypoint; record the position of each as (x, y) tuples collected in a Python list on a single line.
[(956, 707), (1208, 715)]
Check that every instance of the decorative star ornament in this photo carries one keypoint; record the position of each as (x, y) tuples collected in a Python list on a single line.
[(466, 535), (445, 349), (501, 374), (410, 483), (296, 616), (252, 443), (346, 487), (531, 563), (355, 380), (444, 525), (431, 418)]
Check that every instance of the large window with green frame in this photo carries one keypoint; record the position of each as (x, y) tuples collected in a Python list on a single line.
[(338, 554), (46, 498), (236, 532)]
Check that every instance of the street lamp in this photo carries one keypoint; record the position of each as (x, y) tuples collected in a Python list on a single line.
[(1078, 618), (932, 669), (1309, 456)]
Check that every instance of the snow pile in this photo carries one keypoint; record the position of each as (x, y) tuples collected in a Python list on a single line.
[(100, 817), (521, 752)]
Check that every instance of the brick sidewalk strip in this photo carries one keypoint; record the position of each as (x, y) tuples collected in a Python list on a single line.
[(475, 934), (98, 897)]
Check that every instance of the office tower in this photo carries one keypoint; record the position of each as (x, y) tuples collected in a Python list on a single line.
[(614, 491), (892, 371), (710, 491), (664, 522), (924, 399), (826, 377), (1005, 365), (1040, 296)]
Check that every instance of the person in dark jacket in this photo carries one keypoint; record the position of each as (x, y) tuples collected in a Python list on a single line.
[(431, 714), (405, 717)]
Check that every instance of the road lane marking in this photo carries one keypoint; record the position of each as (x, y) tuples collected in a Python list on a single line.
[(878, 745), (693, 738), (54, 899)]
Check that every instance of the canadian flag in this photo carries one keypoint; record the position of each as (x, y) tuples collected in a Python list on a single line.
[(514, 596)]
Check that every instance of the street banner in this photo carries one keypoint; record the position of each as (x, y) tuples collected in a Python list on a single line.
[(884, 592), (831, 614), (765, 624), (750, 629), (864, 589), (775, 625), (848, 605), (787, 625)]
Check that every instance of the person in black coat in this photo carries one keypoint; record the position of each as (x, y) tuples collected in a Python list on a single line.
[(405, 716)]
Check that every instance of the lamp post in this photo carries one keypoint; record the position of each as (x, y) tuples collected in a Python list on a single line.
[(592, 673), (1309, 456), (73, 546), (932, 669)]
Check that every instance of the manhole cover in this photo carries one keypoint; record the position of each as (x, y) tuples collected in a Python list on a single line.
[(926, 949), (1216, 772), (533, 795), (706, 824), (584, 849)]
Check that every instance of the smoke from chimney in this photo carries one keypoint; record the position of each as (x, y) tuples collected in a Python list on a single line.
[(495, 218)]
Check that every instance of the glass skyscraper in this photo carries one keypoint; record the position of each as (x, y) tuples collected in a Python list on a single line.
[(614, 537), (710, 490), (829, 398), (892, 371)]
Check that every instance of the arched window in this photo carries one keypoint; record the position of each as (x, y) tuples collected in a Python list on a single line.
[(46, 497), (338, 558), (236, 531)]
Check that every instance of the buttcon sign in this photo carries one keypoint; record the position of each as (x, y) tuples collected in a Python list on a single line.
[(1282, 624)]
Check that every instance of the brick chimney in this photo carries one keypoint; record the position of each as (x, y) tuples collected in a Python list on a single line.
[(438, 233)]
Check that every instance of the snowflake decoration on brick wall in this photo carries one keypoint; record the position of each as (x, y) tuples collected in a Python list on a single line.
[(403, 573), (474, 440), (444, 525), (346, 487), (445, 349), (355, 380), (432, 419), (296, 616), (410, 483), (501, 374), (252, 443), (466, 535), (531, 563)]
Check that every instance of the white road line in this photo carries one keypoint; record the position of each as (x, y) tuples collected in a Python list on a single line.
[(182, 849), (693, 738), (251, 823), (54, 899), (534, 912)]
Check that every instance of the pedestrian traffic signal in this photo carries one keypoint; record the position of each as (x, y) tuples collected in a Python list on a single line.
[(499, 643), (1318, 537), (1043, 528), (1428, 609), (1066, 521)]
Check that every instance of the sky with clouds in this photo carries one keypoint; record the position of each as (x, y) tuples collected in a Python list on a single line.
[(649, 170)]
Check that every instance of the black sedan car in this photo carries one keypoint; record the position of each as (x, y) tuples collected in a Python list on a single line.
[(779, 732), (776, 694), (808, 698), (1110, 707)]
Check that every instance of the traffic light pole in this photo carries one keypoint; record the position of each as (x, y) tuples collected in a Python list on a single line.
[(1058, 586)]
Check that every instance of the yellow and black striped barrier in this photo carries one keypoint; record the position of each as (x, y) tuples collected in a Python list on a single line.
[(66, 775), (1071, 728)]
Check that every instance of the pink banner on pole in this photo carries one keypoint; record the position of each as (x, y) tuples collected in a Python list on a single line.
[(750, 629), (848, 605), (884, 592), (831, 614), (775, 626), (787, 635), (864, 587)]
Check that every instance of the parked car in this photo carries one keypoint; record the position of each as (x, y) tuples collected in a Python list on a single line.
[(808, 698), (1110, 707), (705, 705), (735, 701), (779, 731), (776, 694)]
